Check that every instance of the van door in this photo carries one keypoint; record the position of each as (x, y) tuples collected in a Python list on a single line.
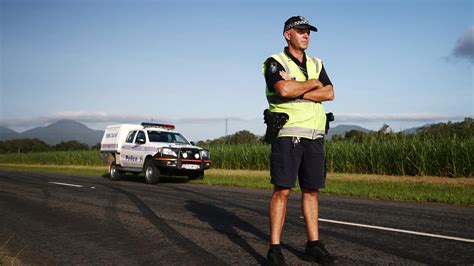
[(138, 150), (126, 156)]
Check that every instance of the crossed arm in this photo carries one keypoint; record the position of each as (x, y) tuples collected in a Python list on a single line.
[(312, 89)]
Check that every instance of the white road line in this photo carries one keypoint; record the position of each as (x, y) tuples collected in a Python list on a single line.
[(399, 230), (65, 184)]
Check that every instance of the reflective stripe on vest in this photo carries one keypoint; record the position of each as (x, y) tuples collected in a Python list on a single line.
[(307, 118), (301, 132)]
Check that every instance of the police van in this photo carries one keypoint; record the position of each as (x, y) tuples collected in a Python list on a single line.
[(154, 149)]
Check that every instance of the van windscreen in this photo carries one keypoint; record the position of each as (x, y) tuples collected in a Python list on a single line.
[(163, 136)]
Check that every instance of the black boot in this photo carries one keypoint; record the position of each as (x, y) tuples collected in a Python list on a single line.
[(275, 257), (316, 251)]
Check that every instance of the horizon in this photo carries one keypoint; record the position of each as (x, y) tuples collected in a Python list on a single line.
[(177, 129)]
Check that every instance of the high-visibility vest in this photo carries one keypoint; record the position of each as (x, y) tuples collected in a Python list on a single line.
[(307, 119)]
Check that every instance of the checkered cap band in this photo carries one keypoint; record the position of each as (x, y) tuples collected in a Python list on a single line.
[(302, 21)]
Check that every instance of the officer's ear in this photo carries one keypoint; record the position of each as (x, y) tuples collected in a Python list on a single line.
[(287, 35)]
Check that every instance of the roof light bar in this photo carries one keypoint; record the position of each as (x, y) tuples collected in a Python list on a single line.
[(165, 126)]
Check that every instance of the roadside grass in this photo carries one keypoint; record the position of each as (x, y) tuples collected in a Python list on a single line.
[(402, 188), (60, 169), (402, 191)]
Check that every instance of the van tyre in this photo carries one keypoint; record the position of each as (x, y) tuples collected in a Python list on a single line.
[(152, 173), (196, 175), (114, 172)]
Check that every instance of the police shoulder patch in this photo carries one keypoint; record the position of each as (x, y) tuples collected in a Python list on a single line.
[(273, 67)]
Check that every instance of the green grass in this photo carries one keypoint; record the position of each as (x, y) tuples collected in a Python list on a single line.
[(358, 187), (255, 156), (387, 155), (58, 169), (420, 189), (403, 155), (89, 158), (404, 191)]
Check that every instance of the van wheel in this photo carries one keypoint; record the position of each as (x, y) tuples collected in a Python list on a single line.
[(196, 175), (114, 172), (152, 173)]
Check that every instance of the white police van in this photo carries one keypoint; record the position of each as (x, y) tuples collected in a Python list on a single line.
[(155, 149)]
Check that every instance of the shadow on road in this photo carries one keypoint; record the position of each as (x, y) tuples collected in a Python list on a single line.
[(201, 256), (226, 223), (139, 178), (221, 219)]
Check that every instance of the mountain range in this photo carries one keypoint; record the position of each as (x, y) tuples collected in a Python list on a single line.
[(64, 130)]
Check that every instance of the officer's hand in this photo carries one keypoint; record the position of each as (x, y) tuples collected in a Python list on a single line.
[(319, 84), (285, 75)]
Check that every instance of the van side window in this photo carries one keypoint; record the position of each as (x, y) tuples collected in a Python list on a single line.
[(130, 136), (141, 135)]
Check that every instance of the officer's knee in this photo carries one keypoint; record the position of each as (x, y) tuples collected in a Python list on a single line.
[(310, 192), (281, 192)]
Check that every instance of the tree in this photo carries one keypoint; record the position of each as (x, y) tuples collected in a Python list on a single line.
[(71, 145), (355, 135), (96, 146), (464, 129), (23, 145), (243, 137), (337, 137), (385, 129)]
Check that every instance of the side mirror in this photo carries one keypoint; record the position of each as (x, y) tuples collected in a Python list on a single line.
[(140, 141), (193, 143)]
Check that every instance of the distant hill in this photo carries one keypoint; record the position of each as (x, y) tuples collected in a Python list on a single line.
[(414, 130), (54, 133), (6, 133), (410, 130), (342, 129)]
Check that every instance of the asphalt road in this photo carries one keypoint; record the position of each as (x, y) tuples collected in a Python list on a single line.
[(129, 222)]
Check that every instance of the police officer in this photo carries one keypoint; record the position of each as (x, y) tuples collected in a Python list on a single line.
[(297, 84)]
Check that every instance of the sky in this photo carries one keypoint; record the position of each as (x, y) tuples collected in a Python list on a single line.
[(197, 64)]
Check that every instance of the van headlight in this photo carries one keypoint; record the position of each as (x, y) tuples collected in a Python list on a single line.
[(169, 152)]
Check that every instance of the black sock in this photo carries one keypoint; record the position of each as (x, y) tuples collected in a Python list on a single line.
[(313, 243), (275, 247)]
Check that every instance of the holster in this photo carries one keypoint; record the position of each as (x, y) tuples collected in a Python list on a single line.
[(329, 118), (275, 121)]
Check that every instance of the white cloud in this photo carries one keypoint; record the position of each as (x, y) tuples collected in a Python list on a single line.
[(404, 117), (103, 117)]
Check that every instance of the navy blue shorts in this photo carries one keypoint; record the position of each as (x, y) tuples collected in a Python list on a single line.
[(304, 159)]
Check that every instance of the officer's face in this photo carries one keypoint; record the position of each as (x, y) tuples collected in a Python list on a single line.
[(298, 38)]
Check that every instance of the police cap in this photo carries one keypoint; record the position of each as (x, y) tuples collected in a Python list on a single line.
[(298, 22)]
